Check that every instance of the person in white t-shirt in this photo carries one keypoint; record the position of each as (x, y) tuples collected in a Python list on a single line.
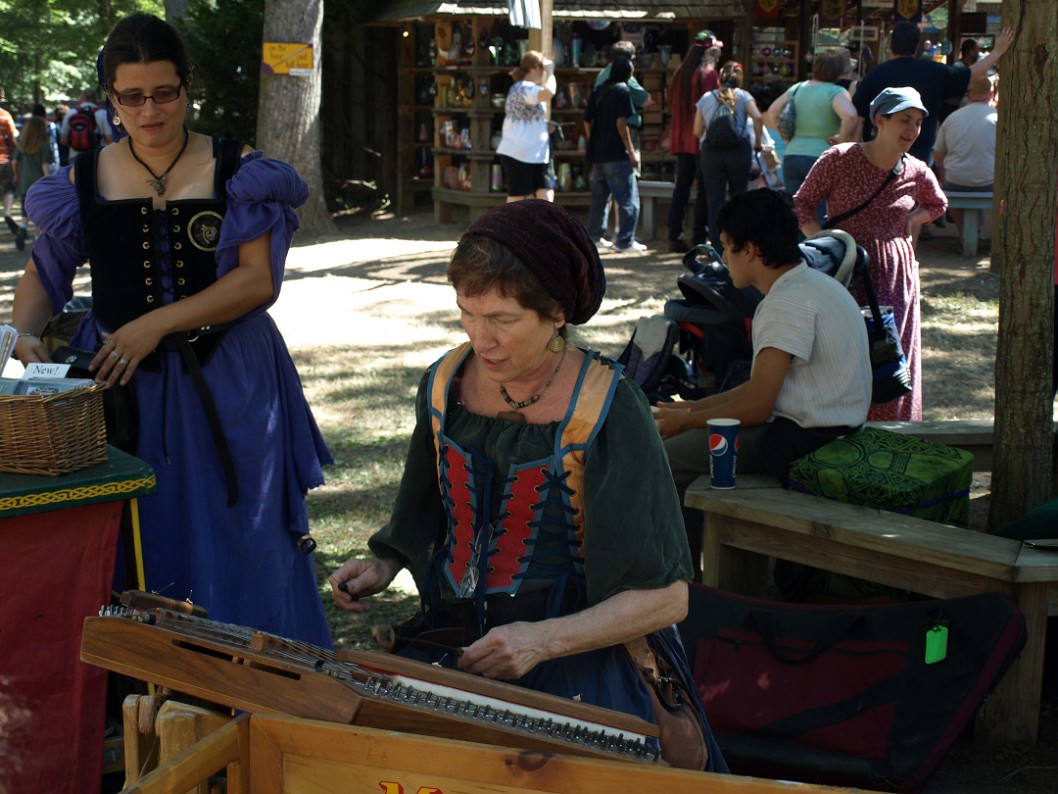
[(811, 377), (965, 149), (525, 146)]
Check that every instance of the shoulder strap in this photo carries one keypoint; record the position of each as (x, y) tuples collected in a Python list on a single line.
[(84, 169), (228, 152), (832, 222)]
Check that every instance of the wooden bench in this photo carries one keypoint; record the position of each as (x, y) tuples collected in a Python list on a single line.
[(446, 199), (758, 519), (649, 193), (972, 435), (974, 205)]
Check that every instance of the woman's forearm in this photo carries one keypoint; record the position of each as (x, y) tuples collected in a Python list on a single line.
[(621, 618), (32, 307)]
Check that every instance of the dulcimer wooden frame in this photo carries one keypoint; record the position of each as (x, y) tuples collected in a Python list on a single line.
[(258, 672)]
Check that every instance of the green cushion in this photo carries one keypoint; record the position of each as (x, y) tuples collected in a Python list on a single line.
[(890, 471), (1038, 524)]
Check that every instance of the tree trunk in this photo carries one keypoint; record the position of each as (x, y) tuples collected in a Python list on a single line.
[(288, 117), (1026, 169)]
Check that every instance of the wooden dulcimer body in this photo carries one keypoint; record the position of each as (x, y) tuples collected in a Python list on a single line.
[(255, 671)]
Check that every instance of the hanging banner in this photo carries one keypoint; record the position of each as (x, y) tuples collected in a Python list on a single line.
[(766, 8), (907, 10), (832, 13)]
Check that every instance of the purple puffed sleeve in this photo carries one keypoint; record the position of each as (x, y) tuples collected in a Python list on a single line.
[(261, 198), (59, 248)]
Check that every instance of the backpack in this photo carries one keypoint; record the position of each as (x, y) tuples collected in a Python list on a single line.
[(647, 355), (723, 132), (83, 132)]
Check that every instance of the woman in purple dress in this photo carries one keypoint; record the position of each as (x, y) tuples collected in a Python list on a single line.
[(187, 238)]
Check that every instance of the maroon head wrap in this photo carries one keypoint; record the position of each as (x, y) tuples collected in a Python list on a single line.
[(555, 247)]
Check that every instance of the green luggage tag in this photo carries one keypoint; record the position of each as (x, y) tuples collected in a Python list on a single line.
[(936, 644)]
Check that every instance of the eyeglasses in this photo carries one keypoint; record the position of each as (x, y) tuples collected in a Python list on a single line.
[(161, 96)]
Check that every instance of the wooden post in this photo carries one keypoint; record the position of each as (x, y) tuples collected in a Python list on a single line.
[(541, 40)]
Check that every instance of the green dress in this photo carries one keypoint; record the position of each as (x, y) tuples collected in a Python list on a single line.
[(609, 523)]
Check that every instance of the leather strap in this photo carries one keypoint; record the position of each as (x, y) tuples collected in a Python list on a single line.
[(832, 222), (213, 418)]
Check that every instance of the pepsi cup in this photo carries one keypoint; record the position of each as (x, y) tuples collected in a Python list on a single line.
[(723, 452)]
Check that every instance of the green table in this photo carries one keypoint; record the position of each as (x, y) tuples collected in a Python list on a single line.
[(121, 476)]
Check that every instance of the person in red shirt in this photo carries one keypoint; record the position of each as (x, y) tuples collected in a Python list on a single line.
[(8, 140), (696, 75)]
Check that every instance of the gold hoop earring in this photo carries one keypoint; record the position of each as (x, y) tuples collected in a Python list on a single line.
[(557, 343)]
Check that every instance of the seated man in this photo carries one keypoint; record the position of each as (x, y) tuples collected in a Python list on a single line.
[(965, 150), (811, 376)]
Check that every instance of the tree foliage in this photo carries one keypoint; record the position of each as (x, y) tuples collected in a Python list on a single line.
[(48, 48), (224, 40)]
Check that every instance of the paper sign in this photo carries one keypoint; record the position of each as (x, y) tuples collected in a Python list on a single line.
[(865, 33), (40, 369), (287, 58)]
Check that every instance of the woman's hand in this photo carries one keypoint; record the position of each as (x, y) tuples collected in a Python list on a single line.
[(124, 349), (359, 579), (506, 652), (29, 349)]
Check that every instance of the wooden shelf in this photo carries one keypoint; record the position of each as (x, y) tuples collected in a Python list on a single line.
[(472, 69), (470, 154), (479, 79)]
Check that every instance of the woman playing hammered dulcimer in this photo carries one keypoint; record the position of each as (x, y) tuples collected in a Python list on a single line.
[(536, 512)]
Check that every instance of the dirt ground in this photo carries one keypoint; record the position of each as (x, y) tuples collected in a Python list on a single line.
[(370, 281)]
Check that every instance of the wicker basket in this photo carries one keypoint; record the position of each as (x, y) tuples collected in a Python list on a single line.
[(52, 434)]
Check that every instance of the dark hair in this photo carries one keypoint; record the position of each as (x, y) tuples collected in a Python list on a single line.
[(481, 264), (829, 66), (620, 70), (38, 110), (144, 38), (968, 46), (693, 63), (765, 218), (904, 38)]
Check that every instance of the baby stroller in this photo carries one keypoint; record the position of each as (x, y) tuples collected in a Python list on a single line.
[(702, 345)]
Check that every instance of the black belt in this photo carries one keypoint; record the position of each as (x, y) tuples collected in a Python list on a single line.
[(213, 418)]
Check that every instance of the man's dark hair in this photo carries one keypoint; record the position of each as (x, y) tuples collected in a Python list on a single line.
[(765, 218), (905, 38), (620, 70)]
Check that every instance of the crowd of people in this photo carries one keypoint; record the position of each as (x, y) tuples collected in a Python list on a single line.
[(513, 513)]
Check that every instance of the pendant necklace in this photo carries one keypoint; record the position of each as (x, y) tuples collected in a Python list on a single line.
[(513, 415), (158, 183)]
